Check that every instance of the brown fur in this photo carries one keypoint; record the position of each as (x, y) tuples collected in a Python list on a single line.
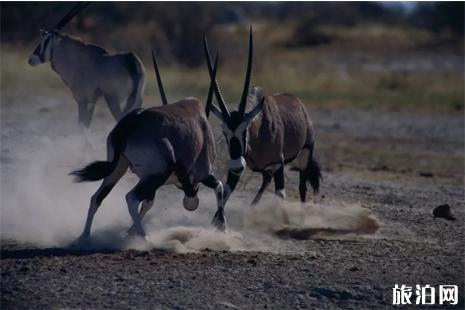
[(283, 127)]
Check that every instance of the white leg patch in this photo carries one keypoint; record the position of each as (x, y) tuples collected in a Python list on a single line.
[(281, 193), (237, 164), (226, 193), (219, 191)]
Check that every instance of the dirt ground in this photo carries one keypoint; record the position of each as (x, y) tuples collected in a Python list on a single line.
[(398, 165)]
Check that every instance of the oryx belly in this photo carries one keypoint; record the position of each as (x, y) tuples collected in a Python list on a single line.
[(150, 158)]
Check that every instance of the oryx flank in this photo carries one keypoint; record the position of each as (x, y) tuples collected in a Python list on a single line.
[(91, 72), (266, 141), (172, 143)]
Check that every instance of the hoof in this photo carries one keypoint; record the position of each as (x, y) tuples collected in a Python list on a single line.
[(82, 242), (219, 221)]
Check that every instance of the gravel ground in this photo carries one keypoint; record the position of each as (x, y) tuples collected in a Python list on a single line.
[(400, 166)]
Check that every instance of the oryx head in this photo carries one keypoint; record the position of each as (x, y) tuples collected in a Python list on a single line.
[(49, 38), (235, 123), (43, 52)]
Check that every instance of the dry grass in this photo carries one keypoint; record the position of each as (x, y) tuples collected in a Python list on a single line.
[(330, 76)]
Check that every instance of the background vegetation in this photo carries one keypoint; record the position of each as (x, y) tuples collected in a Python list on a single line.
[(374, 55)]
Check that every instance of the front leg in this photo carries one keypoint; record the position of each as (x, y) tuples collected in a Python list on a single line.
[(85, 112), (146, 206), (218, 220)]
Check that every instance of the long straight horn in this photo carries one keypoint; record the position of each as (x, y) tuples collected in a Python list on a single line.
[(219, 97), (73, 12), (160, 84), (210, 106), (245, 92)]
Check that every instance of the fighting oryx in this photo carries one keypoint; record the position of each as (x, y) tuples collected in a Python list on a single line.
[(172, 143), (90, 71), (282, 133)]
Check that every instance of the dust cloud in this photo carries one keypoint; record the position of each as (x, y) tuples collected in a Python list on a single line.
[(41, 205)]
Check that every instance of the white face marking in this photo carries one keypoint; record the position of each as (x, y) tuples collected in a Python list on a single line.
[(238, 133), (237, 164)]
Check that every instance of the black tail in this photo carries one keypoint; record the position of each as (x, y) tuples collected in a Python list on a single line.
[(117, 140), (94, 171), (314, 174)]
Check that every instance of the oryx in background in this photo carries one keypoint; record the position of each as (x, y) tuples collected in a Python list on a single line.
[(90, 71), (172, 143), (282, 133)]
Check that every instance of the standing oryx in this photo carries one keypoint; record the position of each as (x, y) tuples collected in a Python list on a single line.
[(172, 143), (91, 72), (281, 134)]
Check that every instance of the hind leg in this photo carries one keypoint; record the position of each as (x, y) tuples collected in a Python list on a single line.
[(146, 206), (114, 106), (267, 175), (279, 182), (107, 185), (144, 190), (218, 220)]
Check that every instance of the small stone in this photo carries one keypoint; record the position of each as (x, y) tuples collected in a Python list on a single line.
[(444, 212)]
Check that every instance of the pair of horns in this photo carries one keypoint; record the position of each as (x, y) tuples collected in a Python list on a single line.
[(73, 12), (162, 91), (242, 104)]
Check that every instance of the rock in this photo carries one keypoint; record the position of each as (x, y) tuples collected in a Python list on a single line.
[(444, 212), (227, 305), (426, 174)]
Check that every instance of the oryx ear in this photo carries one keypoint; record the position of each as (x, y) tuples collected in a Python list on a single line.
[(42, 32), (257, 109)]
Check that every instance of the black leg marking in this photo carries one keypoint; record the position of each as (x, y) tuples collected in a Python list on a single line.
[(211, 181), (219, 219), (104, 193), (279, 178), (145, 189), (267, 177), (303, 185)]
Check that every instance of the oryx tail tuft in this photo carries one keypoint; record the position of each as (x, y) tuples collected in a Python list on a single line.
[(314, 174), (94, 171)]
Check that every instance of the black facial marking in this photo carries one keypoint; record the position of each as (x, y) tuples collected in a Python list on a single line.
[(235, 120), (235, 150), (234, 145)]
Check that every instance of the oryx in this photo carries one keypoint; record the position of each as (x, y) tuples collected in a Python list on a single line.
[(172, 143), (90, 71), (282, 133)]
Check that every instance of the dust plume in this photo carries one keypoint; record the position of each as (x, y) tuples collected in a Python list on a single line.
[(41, 205)]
